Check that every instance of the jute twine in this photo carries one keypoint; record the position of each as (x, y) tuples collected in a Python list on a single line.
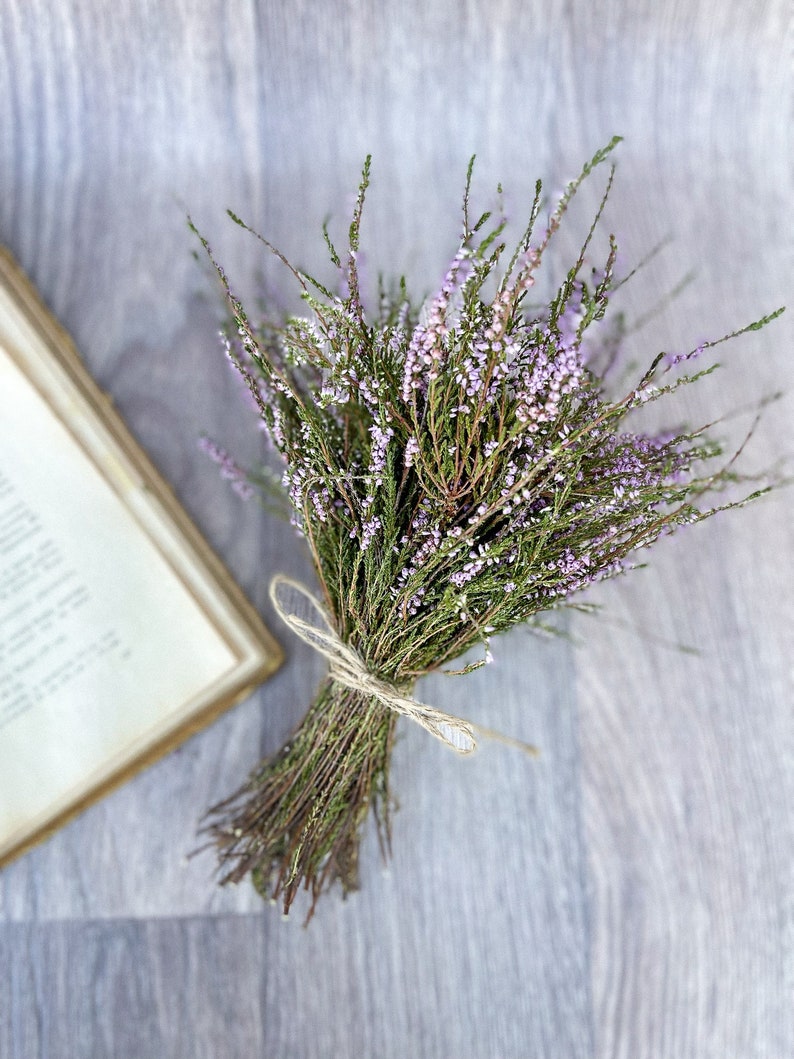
[(307, 617)]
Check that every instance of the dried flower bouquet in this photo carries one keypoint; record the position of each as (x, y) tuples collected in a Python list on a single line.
[(454, 471)]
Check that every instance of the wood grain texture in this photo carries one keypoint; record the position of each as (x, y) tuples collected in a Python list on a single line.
[(630, 894)]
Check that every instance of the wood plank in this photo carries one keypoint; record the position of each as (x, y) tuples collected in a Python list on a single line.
[(625, 896)]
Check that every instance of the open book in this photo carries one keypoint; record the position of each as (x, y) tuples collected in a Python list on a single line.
[(120, 631)]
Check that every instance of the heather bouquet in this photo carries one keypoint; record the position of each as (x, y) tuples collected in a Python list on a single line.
[(455, 468)]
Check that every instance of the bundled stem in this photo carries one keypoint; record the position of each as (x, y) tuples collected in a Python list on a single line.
[(297, 821)]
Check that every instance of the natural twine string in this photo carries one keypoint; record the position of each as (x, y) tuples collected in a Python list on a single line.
[(349, 669)]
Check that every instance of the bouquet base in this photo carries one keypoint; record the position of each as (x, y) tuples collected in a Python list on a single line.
[(297, 821)]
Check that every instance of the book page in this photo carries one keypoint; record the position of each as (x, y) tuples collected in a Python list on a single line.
[(102, 647)]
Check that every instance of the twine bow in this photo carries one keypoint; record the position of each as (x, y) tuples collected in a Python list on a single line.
[(349, 669)]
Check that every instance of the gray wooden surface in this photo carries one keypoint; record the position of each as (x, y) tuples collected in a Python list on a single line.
[(630, 894)]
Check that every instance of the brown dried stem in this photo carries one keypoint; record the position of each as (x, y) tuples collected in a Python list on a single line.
[(297, 821)]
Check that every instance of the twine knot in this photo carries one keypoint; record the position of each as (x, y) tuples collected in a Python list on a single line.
[(307, 617)]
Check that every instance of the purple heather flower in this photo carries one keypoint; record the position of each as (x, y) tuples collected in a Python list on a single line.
[(229, 469), (427, 348), (671, 359), (377, 457), (368, 531)]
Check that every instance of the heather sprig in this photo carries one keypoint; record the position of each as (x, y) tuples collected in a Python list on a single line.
[(455, 470)]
